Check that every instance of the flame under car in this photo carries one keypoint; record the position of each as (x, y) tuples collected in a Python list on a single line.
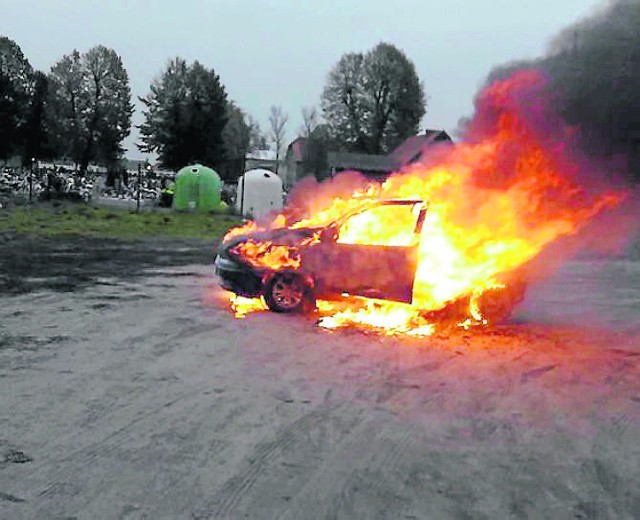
[(291, 268)]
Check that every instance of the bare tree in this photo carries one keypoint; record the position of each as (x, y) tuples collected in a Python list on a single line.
[(258, 138), (277, 121), (309, 121)]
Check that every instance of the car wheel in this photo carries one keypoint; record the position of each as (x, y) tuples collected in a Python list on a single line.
[(286, 292), (497, 305)]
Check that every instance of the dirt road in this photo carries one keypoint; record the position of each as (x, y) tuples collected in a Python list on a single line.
[(128, 391)]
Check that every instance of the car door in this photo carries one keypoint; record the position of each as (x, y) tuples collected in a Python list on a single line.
[(372, 253)]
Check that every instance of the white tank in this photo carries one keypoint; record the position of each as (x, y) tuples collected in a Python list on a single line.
[(259, 192)]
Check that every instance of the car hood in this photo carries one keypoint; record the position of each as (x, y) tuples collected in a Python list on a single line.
[(280, 237)]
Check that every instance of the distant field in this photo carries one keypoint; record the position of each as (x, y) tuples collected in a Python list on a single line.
[(81, 219)]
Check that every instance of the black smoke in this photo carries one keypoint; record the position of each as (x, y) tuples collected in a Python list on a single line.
[(594, 71)]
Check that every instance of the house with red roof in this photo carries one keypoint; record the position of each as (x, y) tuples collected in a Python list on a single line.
[(411, 150), (415, 147)]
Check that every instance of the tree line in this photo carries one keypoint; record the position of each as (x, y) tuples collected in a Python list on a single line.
[(81, 109)]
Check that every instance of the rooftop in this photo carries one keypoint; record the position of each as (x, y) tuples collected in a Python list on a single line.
[(361, 162)]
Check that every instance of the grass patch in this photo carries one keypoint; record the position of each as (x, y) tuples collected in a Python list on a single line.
[(79, 219)]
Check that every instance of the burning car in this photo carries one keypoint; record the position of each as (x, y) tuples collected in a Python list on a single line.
[(450, 239), (291, 268)]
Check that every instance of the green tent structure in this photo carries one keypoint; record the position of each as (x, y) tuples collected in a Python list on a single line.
[(197, 188)]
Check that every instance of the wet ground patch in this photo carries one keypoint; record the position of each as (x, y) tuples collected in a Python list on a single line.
[(26, 343), (32, 263)]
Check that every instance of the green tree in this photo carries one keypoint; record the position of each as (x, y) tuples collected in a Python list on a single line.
[(90, 106), (343, 102), (185, 115), (163, 127), (16, 84), (373, 101), (37, 143), (236, 136), (65, 105), (237, 133)]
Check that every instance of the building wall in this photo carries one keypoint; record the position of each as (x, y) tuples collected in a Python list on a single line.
[(292, 170)]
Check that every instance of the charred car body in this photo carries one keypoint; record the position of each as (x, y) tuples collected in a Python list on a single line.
[(328, 262)]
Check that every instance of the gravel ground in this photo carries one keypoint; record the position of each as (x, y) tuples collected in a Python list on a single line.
[(128, 391)]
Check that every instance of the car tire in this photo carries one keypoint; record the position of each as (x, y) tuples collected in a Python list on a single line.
[(286, 292), (498, 304)]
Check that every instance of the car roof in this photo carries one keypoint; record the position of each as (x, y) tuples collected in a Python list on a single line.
[(401, 201)]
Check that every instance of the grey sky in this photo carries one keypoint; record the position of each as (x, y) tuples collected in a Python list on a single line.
[(278, 52)]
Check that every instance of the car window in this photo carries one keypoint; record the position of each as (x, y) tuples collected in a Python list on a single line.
[(385, 225)]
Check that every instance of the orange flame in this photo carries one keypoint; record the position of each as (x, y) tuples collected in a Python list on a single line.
[(267, 254), (248, 227), (242, 306), (380, 316), (494, 203)]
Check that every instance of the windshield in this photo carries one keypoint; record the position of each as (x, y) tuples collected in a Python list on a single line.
[(383, 225)]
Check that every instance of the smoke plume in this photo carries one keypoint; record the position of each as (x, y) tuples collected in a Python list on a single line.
[(594, 71)]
